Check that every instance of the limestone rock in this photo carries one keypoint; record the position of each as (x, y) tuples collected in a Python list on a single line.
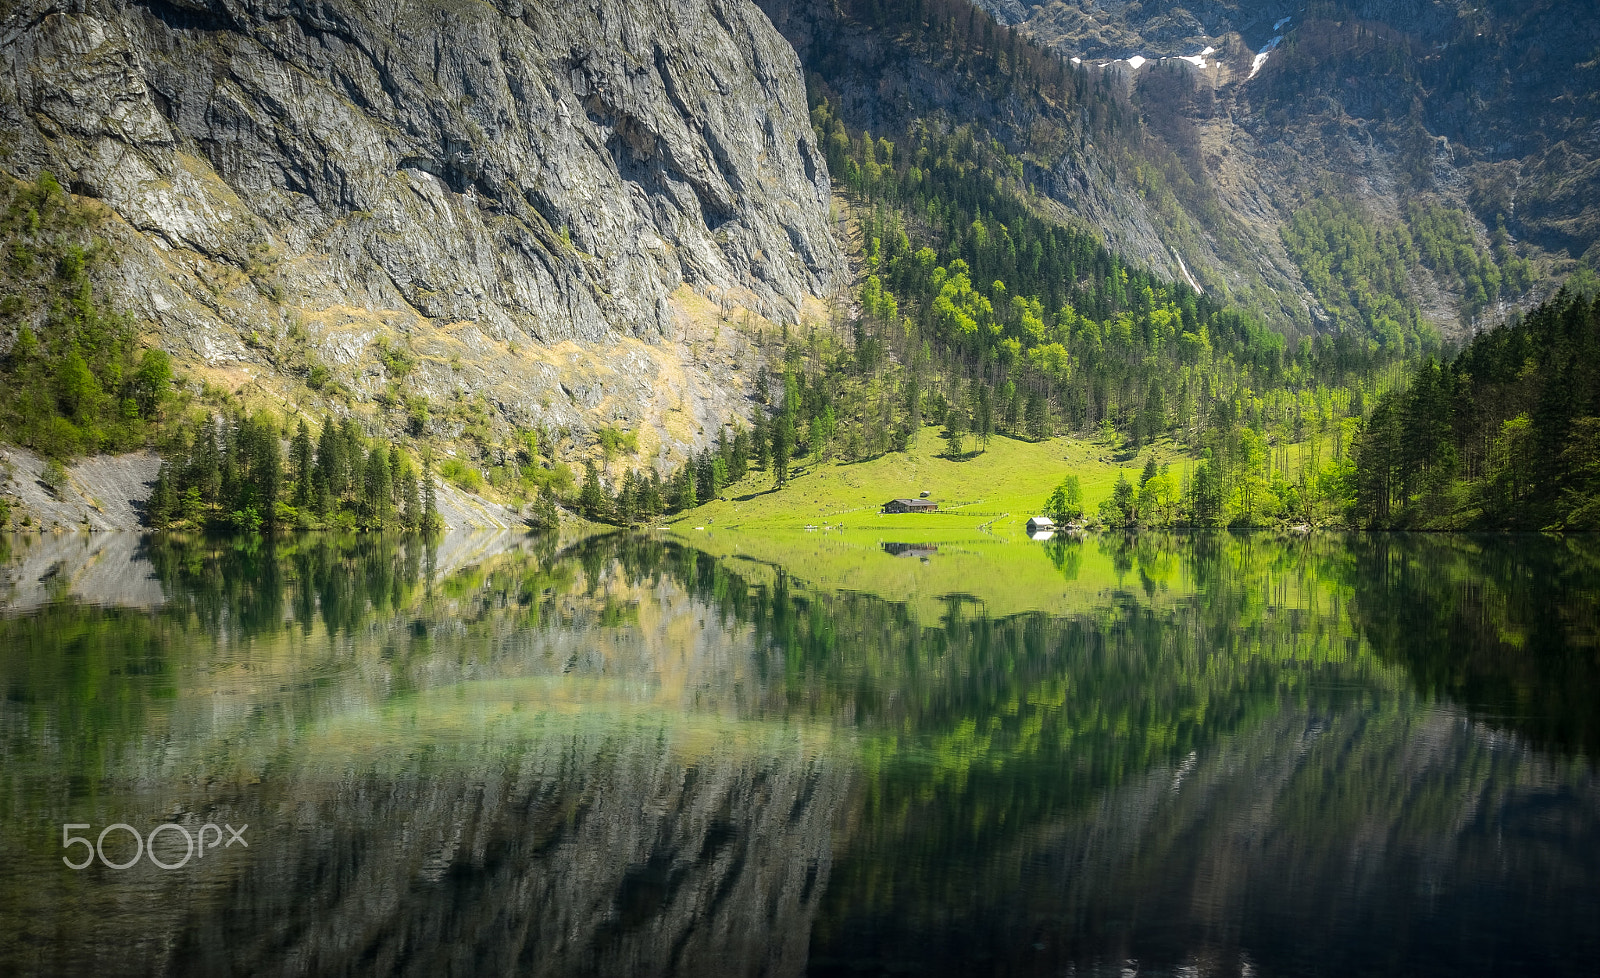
[(331, 174)]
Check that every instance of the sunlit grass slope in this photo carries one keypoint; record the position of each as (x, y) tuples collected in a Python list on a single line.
[(997, 489)]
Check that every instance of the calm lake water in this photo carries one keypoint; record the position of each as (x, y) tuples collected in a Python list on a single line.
[(1154, 755)]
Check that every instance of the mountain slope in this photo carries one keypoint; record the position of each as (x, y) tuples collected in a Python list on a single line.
[(1481, 113), (432, 203)]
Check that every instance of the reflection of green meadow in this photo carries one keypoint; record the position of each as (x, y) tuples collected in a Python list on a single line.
[(1005, 575), (998, 690)]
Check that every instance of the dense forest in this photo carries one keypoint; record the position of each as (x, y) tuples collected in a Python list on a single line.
[(75, 378), (232, 475), (1504, 435)]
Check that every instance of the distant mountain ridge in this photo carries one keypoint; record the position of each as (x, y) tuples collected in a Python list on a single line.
[(1487, 109)]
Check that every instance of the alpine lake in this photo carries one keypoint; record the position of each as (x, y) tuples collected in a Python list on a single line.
[(817, 753)]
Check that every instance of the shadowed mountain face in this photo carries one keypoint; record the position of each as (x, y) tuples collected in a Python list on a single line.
[(632, 757), (1484, 109), (446, 178)]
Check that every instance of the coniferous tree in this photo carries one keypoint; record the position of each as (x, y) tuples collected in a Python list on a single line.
[(685, 488), (330, 466), (163, 505), (432, 523), (396, 485), (591, 498), (410, 498), (760, 440), (300, 464), (627, 499), (653, 505), (955, 430), (377, 492), (782, 440)]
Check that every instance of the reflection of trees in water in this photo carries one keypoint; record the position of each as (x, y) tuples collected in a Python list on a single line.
[(1209, 743), (1354, 841), (1508, 626)]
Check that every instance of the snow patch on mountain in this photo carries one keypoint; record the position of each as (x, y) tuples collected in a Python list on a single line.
[(1261, 56)]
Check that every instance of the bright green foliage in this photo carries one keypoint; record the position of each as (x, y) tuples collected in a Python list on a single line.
[(1446, 245), (1357, 268), (1360, 268), (74, 378), (614, 440), (1121, 508), (1066, 501)]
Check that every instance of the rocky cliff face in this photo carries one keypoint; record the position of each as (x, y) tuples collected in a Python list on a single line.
[(1486, 108), (508, 203)]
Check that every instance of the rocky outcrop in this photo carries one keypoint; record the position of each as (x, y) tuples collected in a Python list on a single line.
[(1482, 108), (883, 82), (487, 188)]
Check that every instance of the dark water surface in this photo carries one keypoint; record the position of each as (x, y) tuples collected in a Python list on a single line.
[(1186, 755)]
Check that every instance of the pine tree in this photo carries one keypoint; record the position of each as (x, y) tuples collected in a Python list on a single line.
[(377, 493), (432, 523), (411, 500), (591, 499), (300, 461), (330, 466), (782, 440), (627, 499), (760, 442), (163, 505), (686, 496), (545, 515), (653, 504), (396, 483), (955, 429)]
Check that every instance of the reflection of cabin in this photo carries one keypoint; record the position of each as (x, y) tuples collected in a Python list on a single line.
[(1040, 523), (909, 506), (923, 550)]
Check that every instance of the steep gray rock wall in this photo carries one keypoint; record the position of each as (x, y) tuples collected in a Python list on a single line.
[(330, 174), (1483, 107)]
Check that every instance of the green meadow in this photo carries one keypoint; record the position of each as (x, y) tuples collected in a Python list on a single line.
[(994, 491)]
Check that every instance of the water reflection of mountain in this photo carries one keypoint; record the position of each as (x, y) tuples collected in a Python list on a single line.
[(1336, 843), (115, 569), (534, 765), (630, 756), (590, 852)]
